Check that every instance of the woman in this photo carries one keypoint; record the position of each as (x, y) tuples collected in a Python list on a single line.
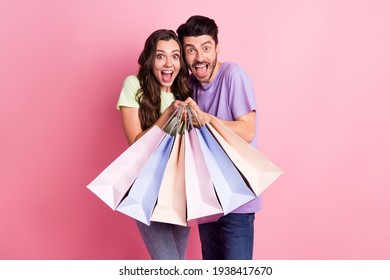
[(148, 99)]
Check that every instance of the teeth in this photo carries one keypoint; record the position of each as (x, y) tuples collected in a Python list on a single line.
[(167, 72)]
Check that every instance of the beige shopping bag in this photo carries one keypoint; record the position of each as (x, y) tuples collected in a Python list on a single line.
[(258, 170), (171, 201)]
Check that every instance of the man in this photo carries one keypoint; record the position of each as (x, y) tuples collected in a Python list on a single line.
[(225, 91)]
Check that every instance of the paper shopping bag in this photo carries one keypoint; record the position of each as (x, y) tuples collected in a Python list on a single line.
[(171, 201), (142, 196), (112, 184), (258, 170), (202, 202), (231, 188)]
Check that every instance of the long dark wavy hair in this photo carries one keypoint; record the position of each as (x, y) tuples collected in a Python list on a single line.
[(148, 96)]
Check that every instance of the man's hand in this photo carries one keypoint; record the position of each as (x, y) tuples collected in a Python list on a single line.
[(199, 117), (244, 126)]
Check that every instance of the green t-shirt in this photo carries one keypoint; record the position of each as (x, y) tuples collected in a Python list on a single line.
[(127, 98), (129, 90)]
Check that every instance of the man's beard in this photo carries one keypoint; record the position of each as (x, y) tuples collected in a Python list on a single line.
[(212, 66)]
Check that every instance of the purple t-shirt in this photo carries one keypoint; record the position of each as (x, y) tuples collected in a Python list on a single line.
[(229, 96)]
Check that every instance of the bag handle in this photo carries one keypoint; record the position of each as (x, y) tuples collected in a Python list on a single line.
[(177, 118), (193, 114)]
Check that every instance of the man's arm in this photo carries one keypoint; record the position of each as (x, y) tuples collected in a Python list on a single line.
[(244, 126)]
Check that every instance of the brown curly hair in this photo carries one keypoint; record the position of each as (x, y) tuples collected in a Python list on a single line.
[(148, 96)]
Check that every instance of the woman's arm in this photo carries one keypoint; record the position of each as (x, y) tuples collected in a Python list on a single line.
[(132, 125)]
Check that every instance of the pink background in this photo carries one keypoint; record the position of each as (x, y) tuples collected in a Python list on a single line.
[(321, 73)]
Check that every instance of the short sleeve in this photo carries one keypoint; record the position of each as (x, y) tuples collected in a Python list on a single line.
[(129, 90), (243, 100)]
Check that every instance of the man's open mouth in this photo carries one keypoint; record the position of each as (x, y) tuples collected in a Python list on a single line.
[(201, 69)]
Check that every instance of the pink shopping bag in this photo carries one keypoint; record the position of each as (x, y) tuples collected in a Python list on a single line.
[(112, 184), (202, 202)]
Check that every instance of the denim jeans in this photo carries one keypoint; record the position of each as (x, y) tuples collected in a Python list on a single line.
[(229, 238), (165, 241)]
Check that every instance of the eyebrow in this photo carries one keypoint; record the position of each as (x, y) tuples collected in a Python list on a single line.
[(164, 51), (204, 43)]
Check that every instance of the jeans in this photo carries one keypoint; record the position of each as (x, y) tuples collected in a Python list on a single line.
[(165, 241), (229, 238)]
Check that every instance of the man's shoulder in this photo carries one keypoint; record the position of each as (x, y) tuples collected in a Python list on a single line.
[(231, 67)]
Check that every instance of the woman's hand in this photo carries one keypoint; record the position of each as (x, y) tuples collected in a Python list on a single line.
[(169, 111), (173, 107)]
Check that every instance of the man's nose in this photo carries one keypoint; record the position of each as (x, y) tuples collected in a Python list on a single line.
[(199, 56)]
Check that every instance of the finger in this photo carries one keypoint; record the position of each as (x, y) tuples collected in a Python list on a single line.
[(188, 100)]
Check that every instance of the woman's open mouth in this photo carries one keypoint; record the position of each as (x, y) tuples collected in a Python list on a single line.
[(167, 76)]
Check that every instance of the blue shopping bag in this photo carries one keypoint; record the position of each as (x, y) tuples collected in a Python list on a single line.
[(231, 188), (142, 196)]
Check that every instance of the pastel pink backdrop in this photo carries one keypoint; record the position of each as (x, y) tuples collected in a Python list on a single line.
[(321, 74)]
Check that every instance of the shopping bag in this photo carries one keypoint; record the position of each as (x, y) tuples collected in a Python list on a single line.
[(113, 183), (202, 202), (171, 202), (142, 196), (258, 170), (232, 190)]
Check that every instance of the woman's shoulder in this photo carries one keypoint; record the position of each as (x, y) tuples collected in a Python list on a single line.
[(131, 82), (132, 79)]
